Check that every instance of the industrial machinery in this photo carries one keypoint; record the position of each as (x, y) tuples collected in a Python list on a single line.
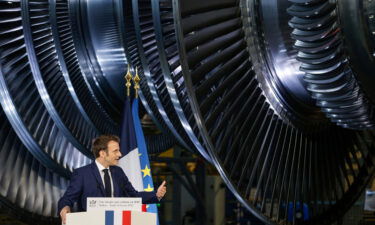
[(277, 94)]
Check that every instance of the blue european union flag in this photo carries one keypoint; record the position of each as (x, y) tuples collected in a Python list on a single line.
[(144, 161)]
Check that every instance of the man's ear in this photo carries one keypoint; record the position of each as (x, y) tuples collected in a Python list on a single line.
[(102, 153)]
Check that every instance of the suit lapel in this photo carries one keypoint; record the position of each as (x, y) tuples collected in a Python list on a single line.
[(98, 178), (116, 191)]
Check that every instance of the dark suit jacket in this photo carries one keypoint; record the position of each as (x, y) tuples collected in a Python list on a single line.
[(87, 182)]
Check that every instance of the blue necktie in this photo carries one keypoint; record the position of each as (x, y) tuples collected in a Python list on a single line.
[(107, 183)]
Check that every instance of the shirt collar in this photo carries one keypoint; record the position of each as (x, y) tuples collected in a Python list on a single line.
[(100, 166)]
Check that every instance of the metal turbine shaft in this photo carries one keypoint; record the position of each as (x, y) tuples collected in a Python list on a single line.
[(264, 90)]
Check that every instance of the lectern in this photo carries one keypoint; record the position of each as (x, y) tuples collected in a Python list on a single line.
[(112, 211)]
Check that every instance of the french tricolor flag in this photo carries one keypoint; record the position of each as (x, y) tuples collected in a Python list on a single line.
[(118, 218), (128, 146), (129, 218)]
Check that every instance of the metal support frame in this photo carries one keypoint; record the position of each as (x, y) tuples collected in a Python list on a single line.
[(182, 178)]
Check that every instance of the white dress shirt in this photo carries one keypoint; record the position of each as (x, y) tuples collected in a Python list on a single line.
[(101, 168)]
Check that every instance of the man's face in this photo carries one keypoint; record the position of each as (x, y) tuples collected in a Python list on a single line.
[(113, 154)]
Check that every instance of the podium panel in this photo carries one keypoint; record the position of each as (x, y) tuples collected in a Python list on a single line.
[(85, 218), (112, 211), (143, 218), (112, 217)]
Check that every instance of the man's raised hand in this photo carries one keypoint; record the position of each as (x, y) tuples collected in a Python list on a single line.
[(162, 189)]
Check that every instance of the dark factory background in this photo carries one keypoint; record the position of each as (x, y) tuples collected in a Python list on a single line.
[(254, 111)]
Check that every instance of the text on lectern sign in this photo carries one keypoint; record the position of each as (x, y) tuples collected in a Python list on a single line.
[(130, 204)]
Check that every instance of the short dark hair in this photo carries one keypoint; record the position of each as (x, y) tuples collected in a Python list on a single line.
[(101, 143)]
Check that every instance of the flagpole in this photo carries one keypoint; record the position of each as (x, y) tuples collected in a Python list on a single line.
[(136, 80), (128, 78)]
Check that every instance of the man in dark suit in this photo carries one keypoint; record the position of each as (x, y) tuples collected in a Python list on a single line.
[(102, 178)]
